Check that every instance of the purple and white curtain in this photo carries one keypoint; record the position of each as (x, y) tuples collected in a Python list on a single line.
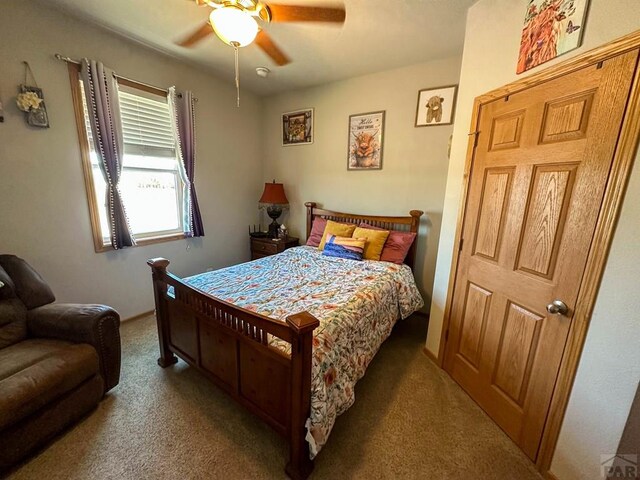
[(183, 118), (101, 91)]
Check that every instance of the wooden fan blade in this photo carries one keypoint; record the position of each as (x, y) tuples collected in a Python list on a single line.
[(263, 40), (297, 13), (202, 32)]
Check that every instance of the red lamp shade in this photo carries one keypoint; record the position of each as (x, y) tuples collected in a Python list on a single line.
[(274, 194)]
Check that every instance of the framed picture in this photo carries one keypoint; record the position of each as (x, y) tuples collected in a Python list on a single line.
[(436, 106), (297, 127), (550, 29), (366, 135), (36, 117)]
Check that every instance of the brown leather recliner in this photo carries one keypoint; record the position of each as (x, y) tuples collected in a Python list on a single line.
[(56, 360)]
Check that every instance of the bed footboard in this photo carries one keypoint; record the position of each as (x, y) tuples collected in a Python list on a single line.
[(230, 345)]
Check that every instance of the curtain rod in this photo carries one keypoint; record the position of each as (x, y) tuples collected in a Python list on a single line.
[(77, 62)]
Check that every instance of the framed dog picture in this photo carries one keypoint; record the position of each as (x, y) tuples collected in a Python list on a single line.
[(366, 132), (297, 127), (436, 106)]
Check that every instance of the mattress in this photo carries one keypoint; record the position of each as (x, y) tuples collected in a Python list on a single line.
[(356, 302)]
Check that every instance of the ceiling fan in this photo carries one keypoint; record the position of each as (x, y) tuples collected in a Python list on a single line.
[(238, 23)]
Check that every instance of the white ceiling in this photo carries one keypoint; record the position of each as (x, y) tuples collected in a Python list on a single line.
[(377, 35)]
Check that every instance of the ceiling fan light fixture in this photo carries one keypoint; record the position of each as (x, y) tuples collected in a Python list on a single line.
[(234, 25)]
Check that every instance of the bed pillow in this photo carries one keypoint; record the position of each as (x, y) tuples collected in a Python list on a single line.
[(375, 241), (344, 247), (337, 229), (317, 229), (397, 245)]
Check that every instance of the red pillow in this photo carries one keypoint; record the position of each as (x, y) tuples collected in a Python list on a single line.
[(397, 245), (317, 229)]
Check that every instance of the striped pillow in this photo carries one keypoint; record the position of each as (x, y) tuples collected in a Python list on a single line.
[(344, 247)]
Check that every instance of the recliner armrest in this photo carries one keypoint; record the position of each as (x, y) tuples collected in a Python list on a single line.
[(97, 325)]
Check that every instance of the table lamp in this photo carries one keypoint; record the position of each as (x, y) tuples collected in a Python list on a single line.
[(274, 199)]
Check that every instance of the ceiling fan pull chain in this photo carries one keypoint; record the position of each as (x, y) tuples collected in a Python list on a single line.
[(235, 46)]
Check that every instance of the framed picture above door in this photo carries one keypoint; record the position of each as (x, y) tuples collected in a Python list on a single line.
[(550, 30)]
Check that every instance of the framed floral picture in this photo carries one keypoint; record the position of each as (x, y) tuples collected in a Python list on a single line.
[(297, 127), (551, 28), (436, 106), (366, 135)]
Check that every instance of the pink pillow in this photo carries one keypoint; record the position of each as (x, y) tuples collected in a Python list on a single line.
[(317, 229), (397, 245)]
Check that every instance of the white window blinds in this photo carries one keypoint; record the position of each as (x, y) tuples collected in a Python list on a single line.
[(146, 126), (87, 122)]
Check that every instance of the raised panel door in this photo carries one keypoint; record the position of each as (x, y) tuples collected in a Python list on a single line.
[(538, 176)]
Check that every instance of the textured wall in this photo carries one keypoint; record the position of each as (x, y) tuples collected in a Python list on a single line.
[(44, 215), (414, 162), (610, 364)]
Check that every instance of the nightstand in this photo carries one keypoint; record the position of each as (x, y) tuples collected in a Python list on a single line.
[(263, 247)]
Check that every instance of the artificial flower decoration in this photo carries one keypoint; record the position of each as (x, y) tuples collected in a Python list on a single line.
[(27, 101)]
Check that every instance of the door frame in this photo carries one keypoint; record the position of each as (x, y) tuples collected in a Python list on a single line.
[(623, 158)]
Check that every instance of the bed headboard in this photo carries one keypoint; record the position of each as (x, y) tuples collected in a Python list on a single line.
[(409, 223)]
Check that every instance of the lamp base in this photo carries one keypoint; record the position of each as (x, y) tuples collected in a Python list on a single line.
[(274, 212)]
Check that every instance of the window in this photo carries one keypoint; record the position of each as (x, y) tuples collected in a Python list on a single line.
[(150, 182)]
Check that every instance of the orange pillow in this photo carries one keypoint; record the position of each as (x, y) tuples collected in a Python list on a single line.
[(375, 241), (337, 229)]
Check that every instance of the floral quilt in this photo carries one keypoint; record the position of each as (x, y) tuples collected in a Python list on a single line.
[(356, 302)]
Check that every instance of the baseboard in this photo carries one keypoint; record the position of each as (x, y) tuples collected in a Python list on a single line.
[(140, 315), (431, 356), (550, 476)]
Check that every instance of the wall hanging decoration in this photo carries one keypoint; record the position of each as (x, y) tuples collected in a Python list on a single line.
[(366, 132), (31, 101), (297, 127), (551, 28), (436, 106)]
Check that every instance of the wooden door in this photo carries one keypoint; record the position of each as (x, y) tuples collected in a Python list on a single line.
[(538, 176)]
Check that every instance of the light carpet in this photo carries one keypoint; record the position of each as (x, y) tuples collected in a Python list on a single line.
[(410, 420)]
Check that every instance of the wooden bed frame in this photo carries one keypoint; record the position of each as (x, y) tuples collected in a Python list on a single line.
[(229, 345)]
